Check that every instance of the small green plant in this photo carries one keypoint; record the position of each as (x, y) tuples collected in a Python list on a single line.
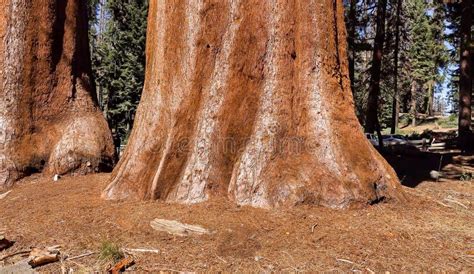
[(448, 122), (110, 251)]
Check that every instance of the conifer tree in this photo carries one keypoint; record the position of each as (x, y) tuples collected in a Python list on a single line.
[(119, 61), (425, 54)]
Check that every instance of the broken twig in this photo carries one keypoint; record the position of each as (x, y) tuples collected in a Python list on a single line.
[(122, 265), (14, 254), (140, 250), (455, 202), (345, 261), (80, 256), (4, 194)]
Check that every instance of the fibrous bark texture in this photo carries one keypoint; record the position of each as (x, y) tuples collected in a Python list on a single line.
[(49, 120), (249, 100)]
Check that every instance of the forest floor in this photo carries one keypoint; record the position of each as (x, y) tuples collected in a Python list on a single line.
[(440, 124), (433, 231)]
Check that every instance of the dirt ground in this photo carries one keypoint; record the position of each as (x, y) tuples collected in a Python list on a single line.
[(434, 231)]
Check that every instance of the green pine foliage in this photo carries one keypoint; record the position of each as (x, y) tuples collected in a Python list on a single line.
[(425, 53), (423, 56), (119, 62), (453, 18)]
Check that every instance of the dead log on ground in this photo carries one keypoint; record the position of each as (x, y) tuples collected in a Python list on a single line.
[(177, 228), (121, 266), (39, 257)]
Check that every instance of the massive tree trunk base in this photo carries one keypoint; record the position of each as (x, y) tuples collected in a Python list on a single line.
[(75, 146), (250, 100), (49, 120)]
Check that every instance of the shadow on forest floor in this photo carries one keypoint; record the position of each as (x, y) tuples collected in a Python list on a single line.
[(415, 167)]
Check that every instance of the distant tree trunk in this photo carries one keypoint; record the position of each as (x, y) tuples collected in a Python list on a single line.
[(351, 40), (465, 79), (413, 102), (249, 100), (99, 39), (395, 98), (371, 118), (102, 20), (429, 105), (49, 119)]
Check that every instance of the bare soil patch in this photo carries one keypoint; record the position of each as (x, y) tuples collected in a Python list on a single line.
[(430, 232)]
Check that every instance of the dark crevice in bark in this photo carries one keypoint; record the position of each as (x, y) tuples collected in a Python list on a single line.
[(351, 40), (58, 32), (338, 47), (81, 67)]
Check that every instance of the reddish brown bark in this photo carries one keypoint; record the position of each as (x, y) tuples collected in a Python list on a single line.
[(49, 120), (249, 100)]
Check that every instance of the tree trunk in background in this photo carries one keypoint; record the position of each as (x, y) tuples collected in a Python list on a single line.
[(429, 105), (351, 40), (395, 99), (49, 120), (371, 118), (413, 103), (465, 79), (249, 100)]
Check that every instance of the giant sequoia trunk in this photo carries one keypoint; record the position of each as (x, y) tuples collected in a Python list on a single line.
[(249, 100), (48, 118)]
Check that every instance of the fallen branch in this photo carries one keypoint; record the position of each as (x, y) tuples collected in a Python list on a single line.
[(345, 261), (312, 227), (455, 202), (443, 204), (122, 265), (222, 259), (4, 194), (80, 256), (140, 250), (14, 254)]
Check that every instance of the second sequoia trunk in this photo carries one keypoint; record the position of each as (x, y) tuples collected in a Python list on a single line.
[(249, 100), (49, 120)]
